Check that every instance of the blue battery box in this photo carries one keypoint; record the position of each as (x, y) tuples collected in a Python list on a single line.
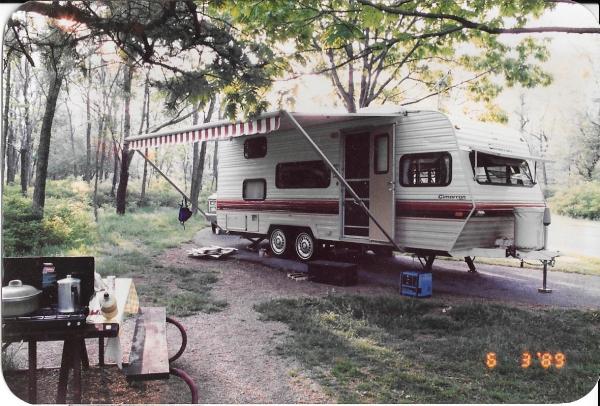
[(415, 284)]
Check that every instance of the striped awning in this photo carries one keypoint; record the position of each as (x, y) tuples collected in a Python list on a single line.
[(264, 124), (207, 132)]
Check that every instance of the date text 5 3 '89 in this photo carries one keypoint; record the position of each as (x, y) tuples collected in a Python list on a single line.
[(545, 360)]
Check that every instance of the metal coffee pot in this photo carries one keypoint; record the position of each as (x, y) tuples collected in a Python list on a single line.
[(69, 294)]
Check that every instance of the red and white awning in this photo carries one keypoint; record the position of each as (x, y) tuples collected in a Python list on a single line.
[(207, 132), (264, 124)]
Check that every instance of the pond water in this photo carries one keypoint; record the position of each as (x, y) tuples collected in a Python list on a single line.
[(574, 235)]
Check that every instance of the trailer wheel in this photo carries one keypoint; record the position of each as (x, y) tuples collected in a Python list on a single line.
[(306, 246), (279, 242)]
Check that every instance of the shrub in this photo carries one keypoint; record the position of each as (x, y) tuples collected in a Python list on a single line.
[(67, 224), (581, 201), (70, 188)]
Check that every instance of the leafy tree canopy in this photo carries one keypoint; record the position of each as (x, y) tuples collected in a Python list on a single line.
[(200, 53), (377, 50)]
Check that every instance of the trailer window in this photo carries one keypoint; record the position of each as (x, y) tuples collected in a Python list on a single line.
[(380, 153), (255, 147), (302, 175), (498, 170), (429, 169), (254, 189)]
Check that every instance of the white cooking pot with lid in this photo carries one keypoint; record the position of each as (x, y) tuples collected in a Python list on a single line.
[(19, 299)]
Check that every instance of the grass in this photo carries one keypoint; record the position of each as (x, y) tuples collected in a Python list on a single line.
[(388, 349), (129, 248), (127, 245)]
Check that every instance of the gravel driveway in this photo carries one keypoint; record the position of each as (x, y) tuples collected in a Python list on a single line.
[(450, 278)]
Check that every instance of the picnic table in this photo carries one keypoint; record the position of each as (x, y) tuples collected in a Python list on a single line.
[(74, 354)]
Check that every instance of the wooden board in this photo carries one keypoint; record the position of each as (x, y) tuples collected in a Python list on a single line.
[(149, 358)]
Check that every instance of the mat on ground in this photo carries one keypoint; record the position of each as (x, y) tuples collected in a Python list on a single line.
[(213, 251)]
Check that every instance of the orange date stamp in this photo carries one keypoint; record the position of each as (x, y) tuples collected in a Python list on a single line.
[(545, 360)]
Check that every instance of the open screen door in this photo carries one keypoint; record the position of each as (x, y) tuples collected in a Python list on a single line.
[(381, 182)]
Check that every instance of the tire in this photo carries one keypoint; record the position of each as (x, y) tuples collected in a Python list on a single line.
[(279, 242), (305, 246)]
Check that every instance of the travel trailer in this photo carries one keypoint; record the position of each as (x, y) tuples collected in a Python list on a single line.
[(417, 181)]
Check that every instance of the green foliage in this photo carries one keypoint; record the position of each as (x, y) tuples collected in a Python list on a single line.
[(347, 34), (390, 349), (582, 201), (159, 194), (67, 223)]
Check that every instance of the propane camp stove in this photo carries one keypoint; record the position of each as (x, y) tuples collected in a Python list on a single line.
[(44, 319)]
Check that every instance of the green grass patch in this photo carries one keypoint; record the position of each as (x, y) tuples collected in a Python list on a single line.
[(130, 247), (389, 349), (126, 246)]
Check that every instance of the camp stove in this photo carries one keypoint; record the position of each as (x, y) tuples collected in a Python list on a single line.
[(44, 319)]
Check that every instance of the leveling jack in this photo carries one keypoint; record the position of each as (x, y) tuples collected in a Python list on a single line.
[(544, 289)]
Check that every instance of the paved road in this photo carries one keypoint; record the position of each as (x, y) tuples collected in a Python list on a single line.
[(451, 278)]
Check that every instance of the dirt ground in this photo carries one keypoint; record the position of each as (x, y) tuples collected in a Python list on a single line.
[(230, 354)]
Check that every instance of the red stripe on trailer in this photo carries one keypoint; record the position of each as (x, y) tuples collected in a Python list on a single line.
[(296, 205), (457, 210)]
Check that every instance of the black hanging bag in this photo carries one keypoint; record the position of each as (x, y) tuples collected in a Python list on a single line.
[(184, 212)]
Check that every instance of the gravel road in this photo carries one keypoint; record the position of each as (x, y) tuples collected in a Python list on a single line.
[(495, 282)]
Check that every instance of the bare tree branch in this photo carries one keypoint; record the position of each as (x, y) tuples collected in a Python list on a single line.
[(468, 24)]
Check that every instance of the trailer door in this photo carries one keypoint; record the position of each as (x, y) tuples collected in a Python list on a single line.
[(381, 180)]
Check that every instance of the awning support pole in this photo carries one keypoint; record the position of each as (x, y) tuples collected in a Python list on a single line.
[(170, 181), (339, 176)]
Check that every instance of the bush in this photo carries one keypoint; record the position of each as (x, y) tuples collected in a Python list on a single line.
[(71, 189), (582, 201), (67, 224)]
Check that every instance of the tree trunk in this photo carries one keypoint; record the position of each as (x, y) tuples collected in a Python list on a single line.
[(72, 133), (5, 121), (11, 158), (115, 168), (126, 155), (32, 171), (146, 118), (97, 168), (26, 140), (198, 160), (39, 194), (88, 129)]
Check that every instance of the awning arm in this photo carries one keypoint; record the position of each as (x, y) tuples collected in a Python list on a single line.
[(339, 176), (172, 183)]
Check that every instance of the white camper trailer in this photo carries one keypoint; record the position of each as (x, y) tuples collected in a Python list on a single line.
[(418, 181)]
